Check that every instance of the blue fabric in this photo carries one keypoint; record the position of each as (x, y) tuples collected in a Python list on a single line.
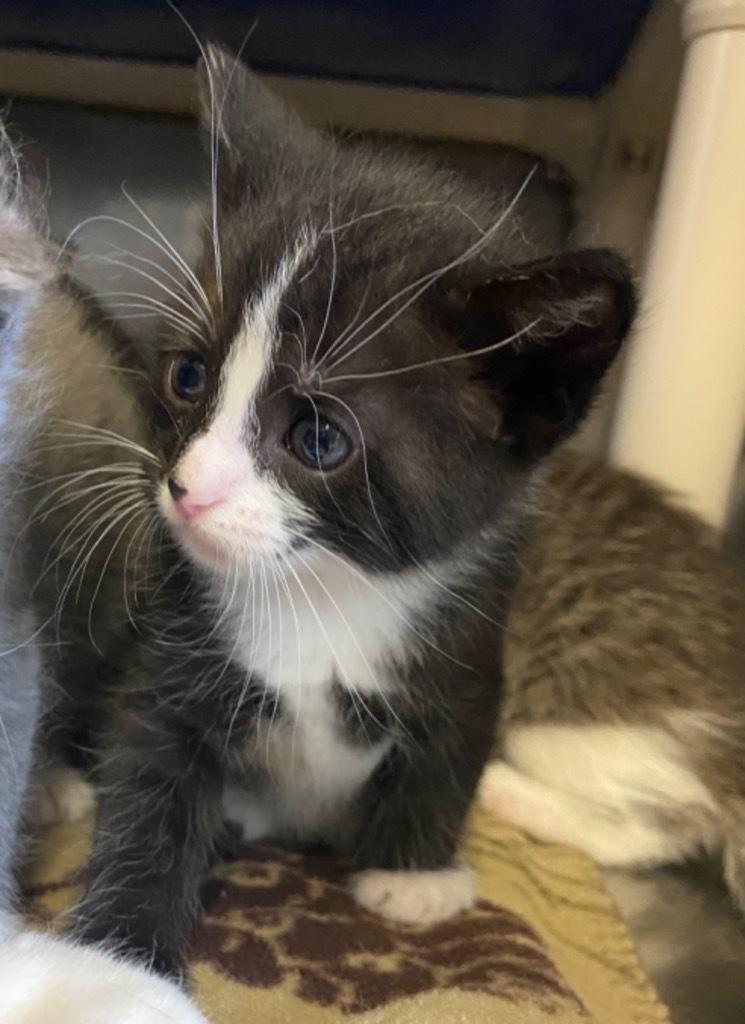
[(510, 47)]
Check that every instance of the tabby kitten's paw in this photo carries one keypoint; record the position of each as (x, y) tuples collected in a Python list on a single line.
[(46, 980), (416, 897), (59, 796)]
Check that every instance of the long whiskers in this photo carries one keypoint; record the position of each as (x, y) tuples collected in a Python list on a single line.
[(525, 331), (415, 631), (416, 288), (179, 293), (353, 636), (102, 435), (334, 265), (215, 126), (168, 250), (150, 304)]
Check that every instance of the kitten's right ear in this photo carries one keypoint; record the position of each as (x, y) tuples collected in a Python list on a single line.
[(251, 126)]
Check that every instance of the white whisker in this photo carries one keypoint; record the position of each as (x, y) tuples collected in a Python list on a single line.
[(376, 590), (180, 294), (455, 357), (149, 302), (105, 218), (170, 248), (421, 285), (334, 268)]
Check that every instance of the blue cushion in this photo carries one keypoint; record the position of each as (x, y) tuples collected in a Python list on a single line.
[(510, 47)]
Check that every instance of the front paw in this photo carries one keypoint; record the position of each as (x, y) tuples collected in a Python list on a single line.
[(45, 979), (416, 897), (59, 796)]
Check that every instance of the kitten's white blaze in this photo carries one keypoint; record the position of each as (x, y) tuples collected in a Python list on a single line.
[(242, 513), (250, 357)]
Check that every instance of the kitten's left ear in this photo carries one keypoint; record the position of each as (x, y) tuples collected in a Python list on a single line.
[(567, 317), (252, 126)]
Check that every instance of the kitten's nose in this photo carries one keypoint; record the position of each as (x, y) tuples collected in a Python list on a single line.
[(176, 490), (187, 506)]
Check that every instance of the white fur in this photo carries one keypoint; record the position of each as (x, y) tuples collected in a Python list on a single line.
[(59, 795), (328, 622), (416, 897), (608, 790), (251, 353), (46, 980)]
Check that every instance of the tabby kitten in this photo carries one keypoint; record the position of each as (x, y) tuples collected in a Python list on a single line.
[(346, 433), (41, 329), (623, 723)]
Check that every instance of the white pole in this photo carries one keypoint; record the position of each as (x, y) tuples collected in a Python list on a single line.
[(680, 417)]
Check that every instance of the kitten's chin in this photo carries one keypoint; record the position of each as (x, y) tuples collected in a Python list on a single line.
[(204, 552)]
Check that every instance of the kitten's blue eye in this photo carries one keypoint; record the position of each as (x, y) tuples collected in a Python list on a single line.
[(318, 443), (187, 376)]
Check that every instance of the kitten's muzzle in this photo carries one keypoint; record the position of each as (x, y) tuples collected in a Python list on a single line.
[(187, 507)]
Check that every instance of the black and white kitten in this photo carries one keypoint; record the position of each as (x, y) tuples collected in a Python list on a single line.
[(43, 978), (346, 423)]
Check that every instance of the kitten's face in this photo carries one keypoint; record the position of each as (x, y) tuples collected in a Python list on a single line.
[(327, 397), (300, 428)]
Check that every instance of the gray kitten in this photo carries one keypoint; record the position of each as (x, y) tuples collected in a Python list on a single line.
[(54, 370), (623, 727)]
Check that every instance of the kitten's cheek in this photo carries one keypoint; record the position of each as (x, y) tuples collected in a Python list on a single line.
[(416, 897)]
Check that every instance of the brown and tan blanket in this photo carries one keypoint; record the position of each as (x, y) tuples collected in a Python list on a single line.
[(282, 942)]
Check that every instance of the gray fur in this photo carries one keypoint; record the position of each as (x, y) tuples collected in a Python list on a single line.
[(57, 387), (626, 615)]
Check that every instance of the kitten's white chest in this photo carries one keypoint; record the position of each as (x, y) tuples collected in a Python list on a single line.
[(305, 638), (309, 770)]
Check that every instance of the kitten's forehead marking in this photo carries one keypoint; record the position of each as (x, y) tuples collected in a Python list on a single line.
[(251, 353)]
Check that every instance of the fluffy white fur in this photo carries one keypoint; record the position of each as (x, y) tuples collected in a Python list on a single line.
[(46, 980), (605, 789), (415, 897)]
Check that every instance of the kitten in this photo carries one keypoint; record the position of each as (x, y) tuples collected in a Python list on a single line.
[(623, 723), (346, 429), (41, 977)]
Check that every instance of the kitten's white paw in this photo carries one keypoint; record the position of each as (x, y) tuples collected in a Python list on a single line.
[(44, 980), (416, 897), (59, 796)]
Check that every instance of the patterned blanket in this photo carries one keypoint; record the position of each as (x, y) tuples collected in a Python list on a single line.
[(281, 941)]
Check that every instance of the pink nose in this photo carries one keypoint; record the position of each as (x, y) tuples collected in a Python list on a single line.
[(189, 507)]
